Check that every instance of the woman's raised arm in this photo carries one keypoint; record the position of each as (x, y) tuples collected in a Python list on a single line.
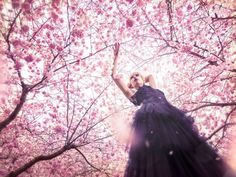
[(150, 79), (119, 81)]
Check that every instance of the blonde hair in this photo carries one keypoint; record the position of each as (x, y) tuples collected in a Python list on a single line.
[(136, 72)]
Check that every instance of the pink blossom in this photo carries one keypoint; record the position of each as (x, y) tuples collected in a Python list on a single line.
[(99, 11), (7, 111), (54, 16), (15, 4), (129, 23), (52, 46), (3, 173), (175, 60), (16, 43), (140, 3), (78, 61), (55, 3), (179, 12), (130, 1), (9, 54), (29, 58), (186, 48), (134, 12), (59, 48), (47, 26), (24, 29), (26, 7), (16, 101), (18, 65), (234, 35), (80, 12), (30, 1), (59, 129), (48, 35), (3, 100), (53, 115), (189, 7), (79, 34), (93, 114)]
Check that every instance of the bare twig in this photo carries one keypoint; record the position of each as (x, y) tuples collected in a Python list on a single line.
[(213, 104), (218, 129)]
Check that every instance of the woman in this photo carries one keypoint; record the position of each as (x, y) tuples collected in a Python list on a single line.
[(165, 143)]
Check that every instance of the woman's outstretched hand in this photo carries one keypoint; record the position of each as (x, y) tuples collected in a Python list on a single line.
[(116, 49), (116, 52)]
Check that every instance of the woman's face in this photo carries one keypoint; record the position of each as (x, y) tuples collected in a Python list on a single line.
[(136, 80)]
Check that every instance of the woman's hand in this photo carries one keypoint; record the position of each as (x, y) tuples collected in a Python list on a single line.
[(116, 50)]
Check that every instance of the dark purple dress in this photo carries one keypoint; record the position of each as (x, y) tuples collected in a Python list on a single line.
[(166, 144)]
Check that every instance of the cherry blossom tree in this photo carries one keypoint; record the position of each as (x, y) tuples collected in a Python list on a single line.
[(61, 113)]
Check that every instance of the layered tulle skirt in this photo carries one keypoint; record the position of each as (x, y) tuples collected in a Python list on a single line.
[(166, 144)]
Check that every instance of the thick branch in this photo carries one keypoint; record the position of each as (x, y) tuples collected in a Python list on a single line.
[(232, 70), (38, 159), (17, 109)]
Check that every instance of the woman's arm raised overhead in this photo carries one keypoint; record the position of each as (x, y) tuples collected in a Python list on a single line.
[(150, 79), (119, 81)]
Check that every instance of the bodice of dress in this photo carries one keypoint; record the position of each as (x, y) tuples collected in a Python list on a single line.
[(147, 94)]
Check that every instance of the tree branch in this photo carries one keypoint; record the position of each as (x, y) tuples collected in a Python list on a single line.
[(213, 104), (218, 129), (86, 159), (17, 109), (223, 18), (70, 139), (11, 28), (38, 159), (169, 13)]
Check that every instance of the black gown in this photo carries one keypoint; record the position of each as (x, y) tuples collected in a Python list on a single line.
[(166, 144)]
